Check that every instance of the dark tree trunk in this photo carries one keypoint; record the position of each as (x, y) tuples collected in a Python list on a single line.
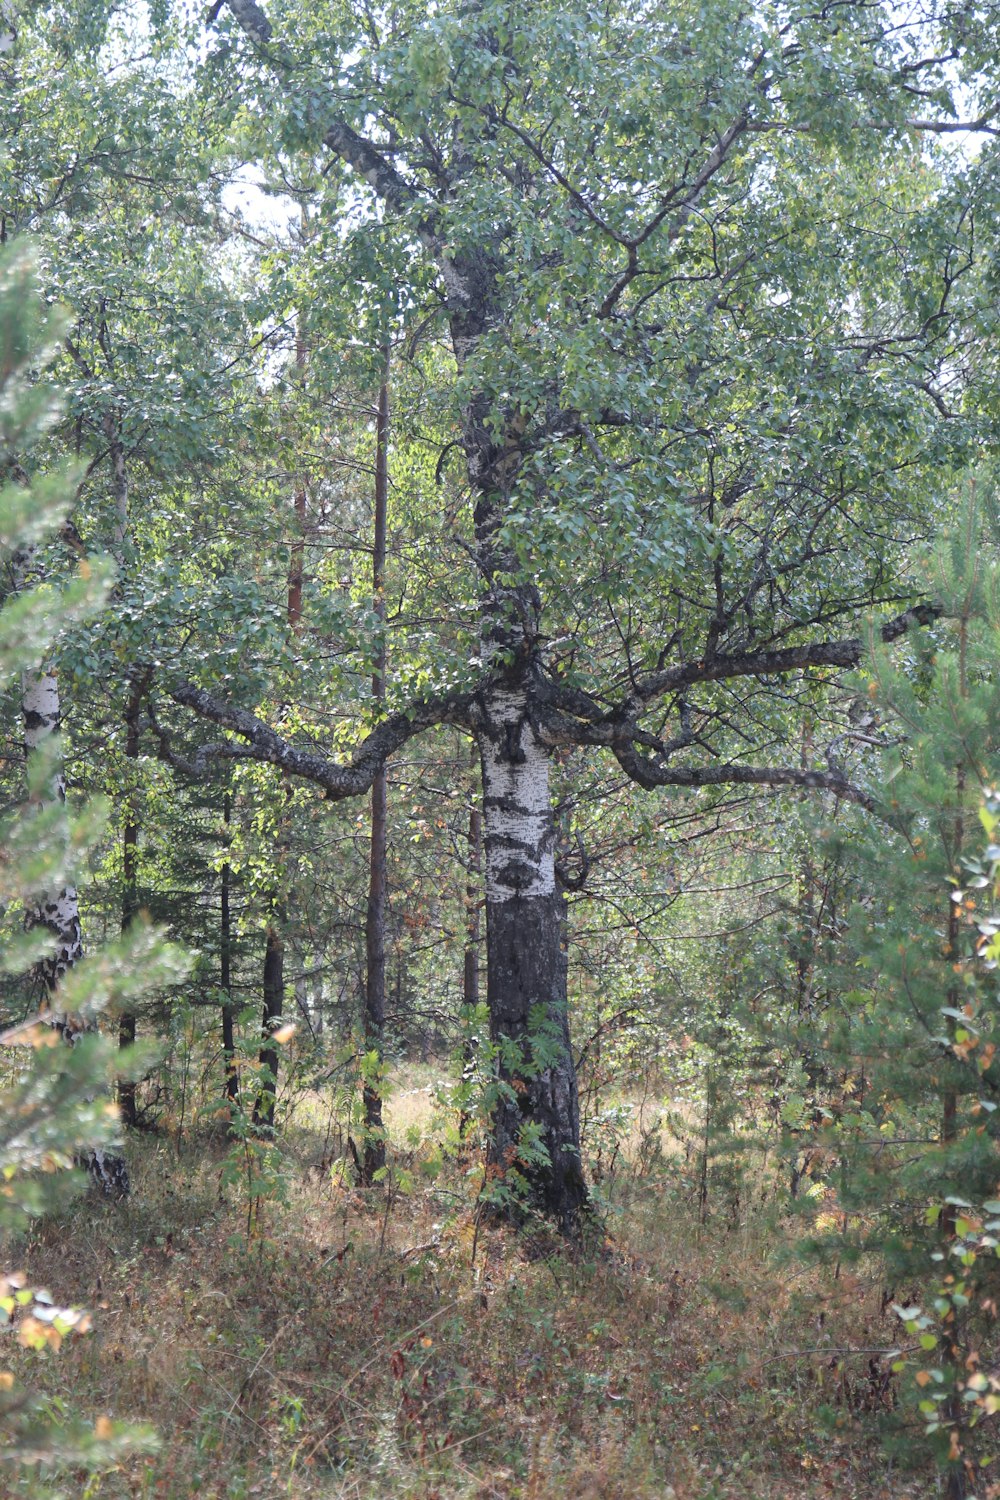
[(274, 949), (274, 1004), (374, 1152), (130, 889), (226, 965), (136, 686), (296, 560)]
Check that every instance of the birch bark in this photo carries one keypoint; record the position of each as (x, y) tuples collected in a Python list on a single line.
[(526, 966), (58, 910)]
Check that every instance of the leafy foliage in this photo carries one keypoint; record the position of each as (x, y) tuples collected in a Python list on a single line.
[(51, 1105)]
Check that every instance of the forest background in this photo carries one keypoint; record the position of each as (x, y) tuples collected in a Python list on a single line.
[(521, 618)]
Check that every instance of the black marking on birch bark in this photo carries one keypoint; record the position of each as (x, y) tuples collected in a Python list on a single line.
[(518, 829), (58, 912)]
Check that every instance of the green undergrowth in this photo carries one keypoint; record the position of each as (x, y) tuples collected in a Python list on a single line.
[(396, 1344)]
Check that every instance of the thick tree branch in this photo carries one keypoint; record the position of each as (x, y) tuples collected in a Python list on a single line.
[(648, 774), (570, 715), (266, 745), (843, 654), (564, 716), (353, 149), (252, 19)]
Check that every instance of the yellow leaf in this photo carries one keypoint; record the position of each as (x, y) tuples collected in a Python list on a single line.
[(922, 1378), (6, 1380), (31, 1334), (104, 1428), (284, 1033)]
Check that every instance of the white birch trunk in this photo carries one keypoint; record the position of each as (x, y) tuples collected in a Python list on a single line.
[(526, 965), (58, 910)]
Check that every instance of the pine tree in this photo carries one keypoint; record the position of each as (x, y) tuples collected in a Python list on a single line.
[(53, 1108), (907, 1114)]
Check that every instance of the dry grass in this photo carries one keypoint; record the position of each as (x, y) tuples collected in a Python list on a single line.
[(355, 1352)]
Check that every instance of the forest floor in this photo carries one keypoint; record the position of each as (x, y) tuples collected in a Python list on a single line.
[(385, 1344)]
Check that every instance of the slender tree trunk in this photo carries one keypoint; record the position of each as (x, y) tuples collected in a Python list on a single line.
[(274, 1004), (136, 685), (374, 1152), (473, 901), (956, 1479), (297, 555), (226, 963), (473, 926), (130, 889), (274, 947)]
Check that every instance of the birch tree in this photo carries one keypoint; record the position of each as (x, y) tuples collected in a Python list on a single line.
[(710, 290)]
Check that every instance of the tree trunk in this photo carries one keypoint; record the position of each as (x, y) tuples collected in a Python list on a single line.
[(473, 932), (473, 903), (536, 1124), (137, 683), (374, 1152), (130, 888), (59, 910), (297, 555), (274, 948), (956, 1478), (274, 1004), (226, 965)]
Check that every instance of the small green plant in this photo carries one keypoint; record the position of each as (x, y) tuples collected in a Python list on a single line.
[(254, 1164)]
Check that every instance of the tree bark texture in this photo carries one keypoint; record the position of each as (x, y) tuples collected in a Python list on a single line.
[(137, 681), (473, 906), (526, 968), (226, 963), (473, 929), (59, 911), (374, 1153), (130, 891), (274, 1004)]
